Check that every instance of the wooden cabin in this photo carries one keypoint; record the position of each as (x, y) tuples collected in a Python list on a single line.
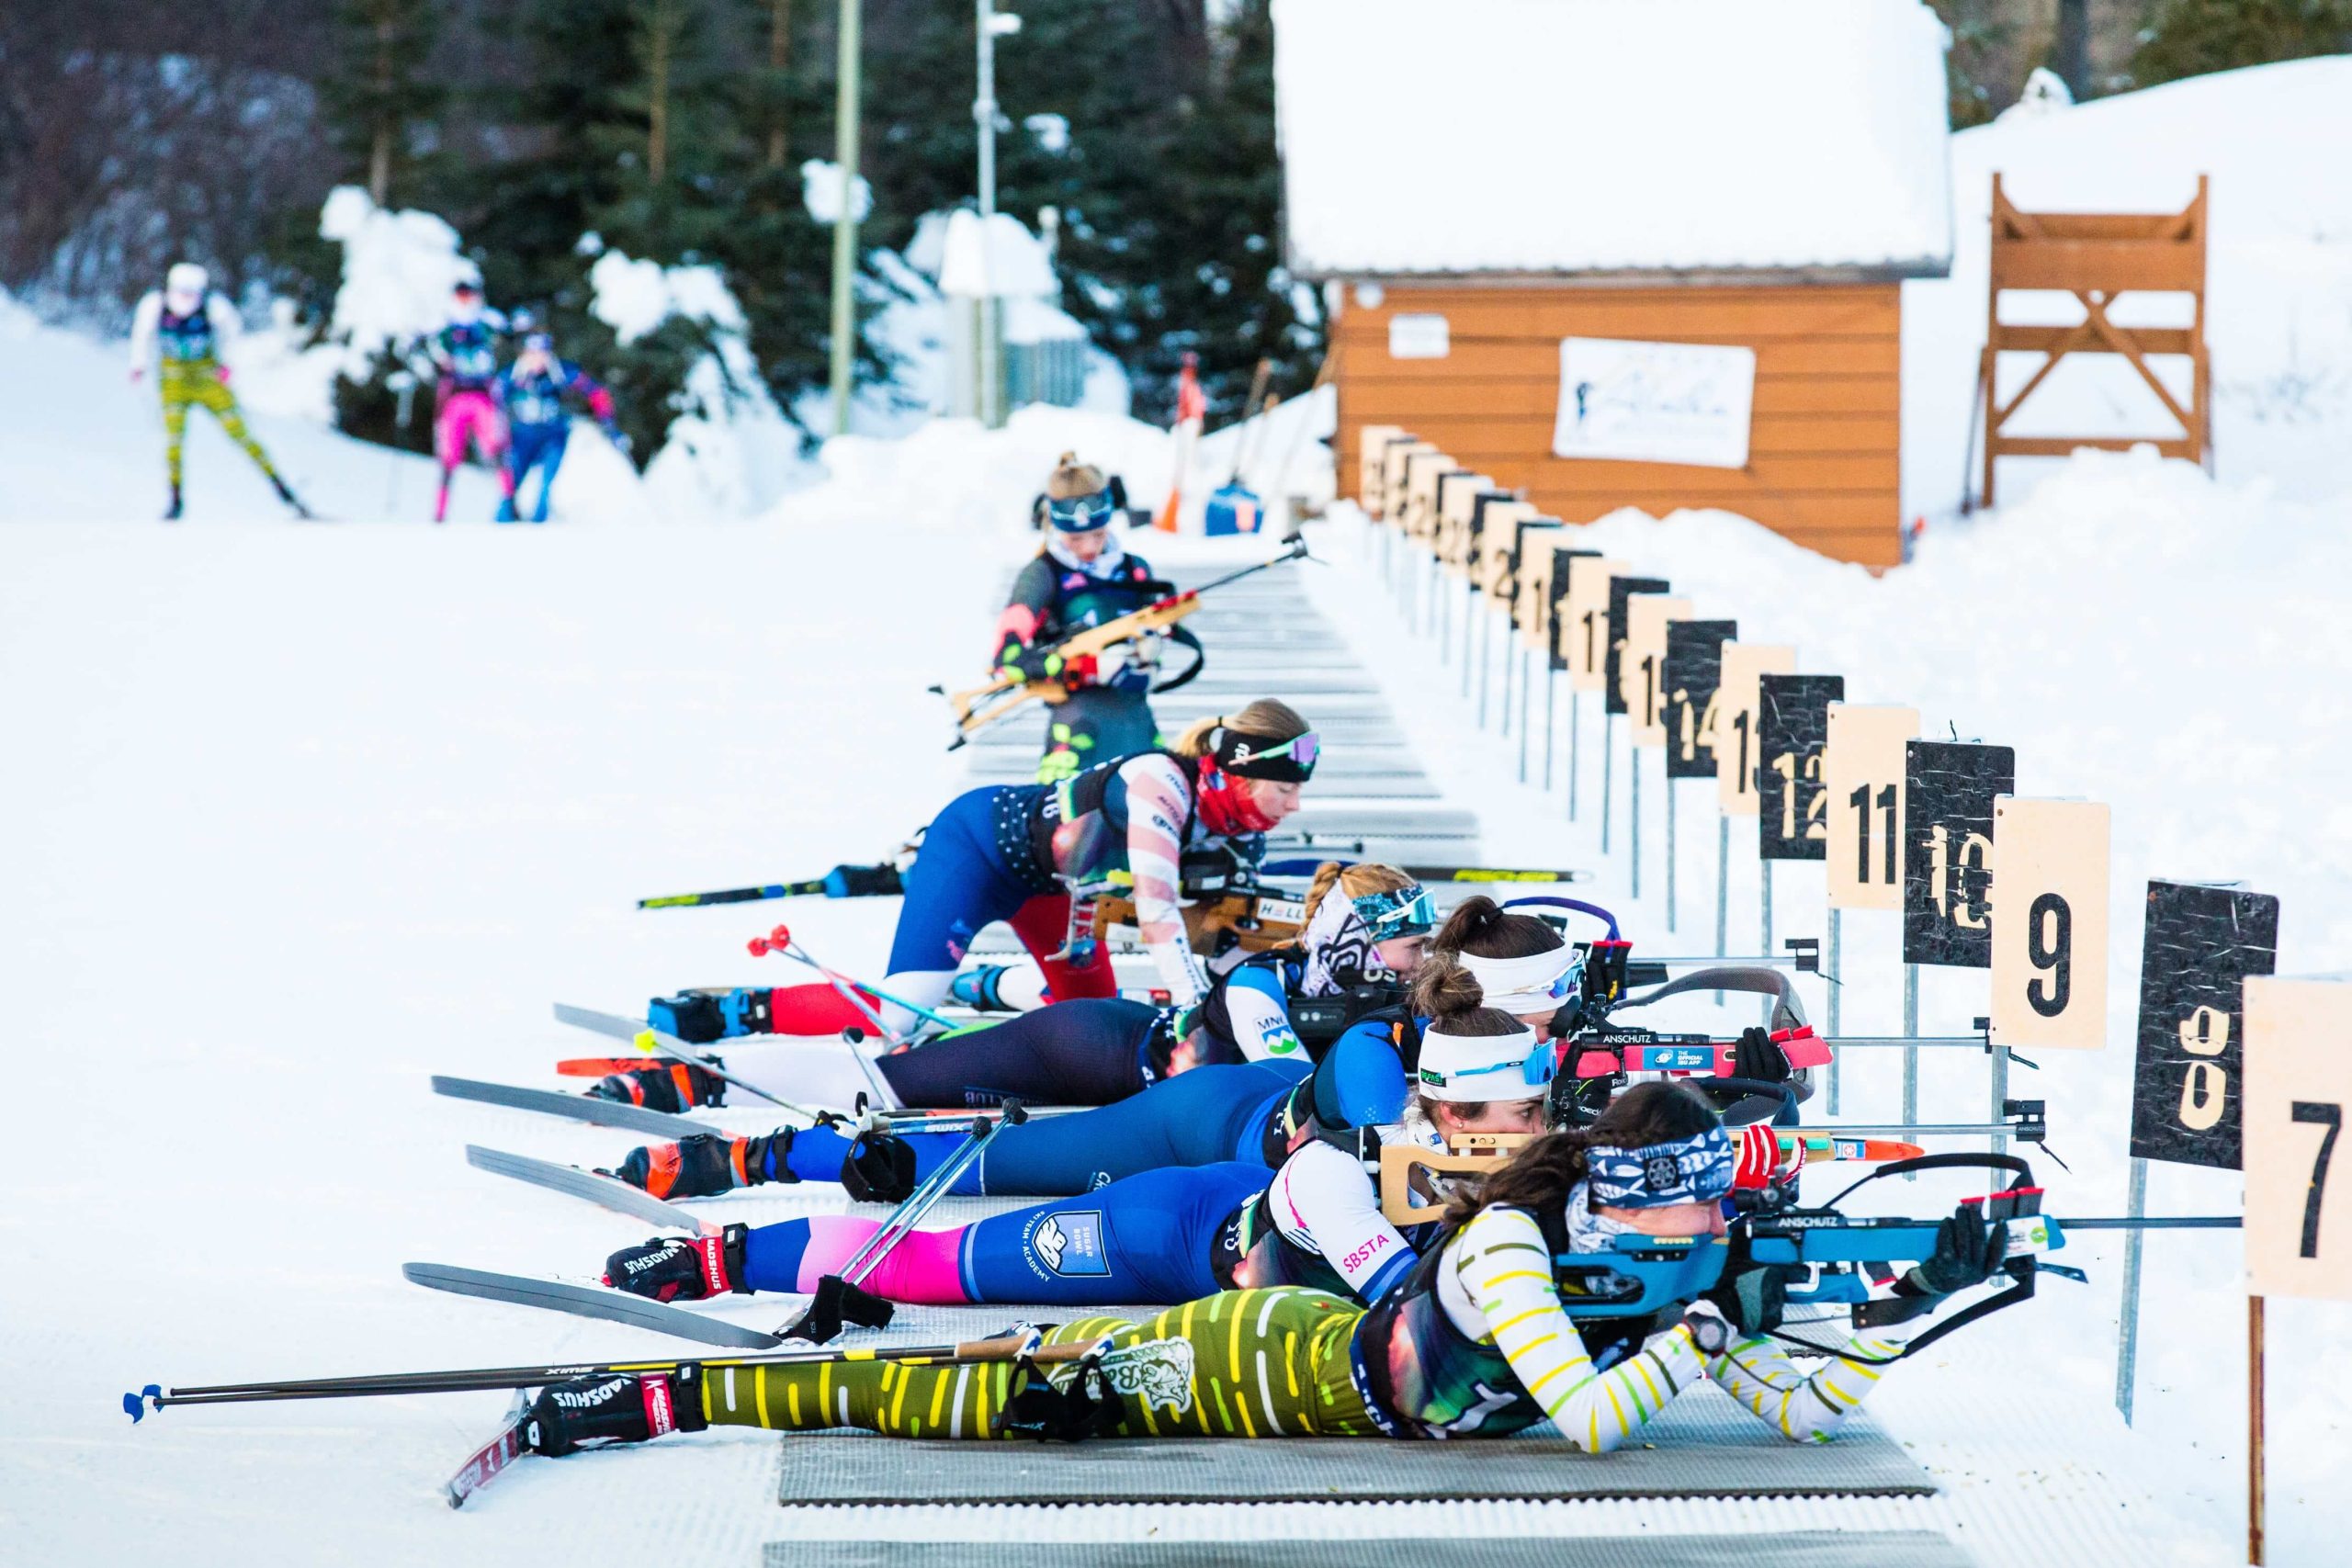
[(1625, 255)]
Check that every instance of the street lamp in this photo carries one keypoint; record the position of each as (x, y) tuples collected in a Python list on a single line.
[(988, 25)]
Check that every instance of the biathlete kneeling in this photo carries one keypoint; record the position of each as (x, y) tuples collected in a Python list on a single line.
[(1252, 1111), (1474, 1342)]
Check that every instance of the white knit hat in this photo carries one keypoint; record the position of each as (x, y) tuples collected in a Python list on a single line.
[(185, 278)]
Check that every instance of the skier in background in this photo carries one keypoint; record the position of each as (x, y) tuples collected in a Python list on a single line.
[(531, 391), (465, 353), (191, 327)]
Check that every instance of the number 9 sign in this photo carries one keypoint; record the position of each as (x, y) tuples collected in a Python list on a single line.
[(2049, 899), (2298, 1083)]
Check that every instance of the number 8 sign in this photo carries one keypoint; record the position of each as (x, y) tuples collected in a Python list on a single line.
[(2049, 899), (2298, 1083)]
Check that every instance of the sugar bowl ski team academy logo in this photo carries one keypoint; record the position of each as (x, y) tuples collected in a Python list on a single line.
[(1070, 1242)]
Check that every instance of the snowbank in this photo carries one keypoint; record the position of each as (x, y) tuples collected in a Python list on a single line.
[(730, 451), (2278, 277)]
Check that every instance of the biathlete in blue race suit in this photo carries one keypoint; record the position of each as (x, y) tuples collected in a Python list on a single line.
[(1161, 1235), (532, 392), (1012, 853)]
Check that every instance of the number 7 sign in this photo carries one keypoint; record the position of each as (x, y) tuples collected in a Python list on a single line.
[(2297, 1085)]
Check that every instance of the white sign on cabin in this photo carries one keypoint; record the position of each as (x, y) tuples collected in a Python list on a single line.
[(1417, 337), (1653, 402)]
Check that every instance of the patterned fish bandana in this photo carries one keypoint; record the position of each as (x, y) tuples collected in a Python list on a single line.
[(1340, 950), (1689, 1170)]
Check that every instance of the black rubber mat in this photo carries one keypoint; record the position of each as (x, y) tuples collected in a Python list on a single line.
[(1800, 1549), (1703, 1446)]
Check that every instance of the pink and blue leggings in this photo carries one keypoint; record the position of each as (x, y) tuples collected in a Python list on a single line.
[(1147, 1238)]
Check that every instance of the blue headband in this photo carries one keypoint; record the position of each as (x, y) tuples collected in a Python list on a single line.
[(1689, 1170)]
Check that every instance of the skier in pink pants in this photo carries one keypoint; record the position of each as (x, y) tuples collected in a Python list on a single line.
[(465, 354)]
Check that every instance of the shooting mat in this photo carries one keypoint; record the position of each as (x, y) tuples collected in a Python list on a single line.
[(1797, 1549)]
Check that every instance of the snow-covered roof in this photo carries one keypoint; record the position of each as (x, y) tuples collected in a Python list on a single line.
[(1576, 136)]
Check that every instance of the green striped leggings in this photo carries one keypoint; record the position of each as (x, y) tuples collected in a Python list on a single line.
[(1244, 1364)]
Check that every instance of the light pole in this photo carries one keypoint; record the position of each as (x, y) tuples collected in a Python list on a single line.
[(845, 220), (987, 27)]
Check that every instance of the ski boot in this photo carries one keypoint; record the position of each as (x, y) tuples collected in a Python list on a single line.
[(172, 513), (700, 1017), (663, 1086), (291, 499), (982, 990), (707, 1164), (506, 512), (625, 1407), (675, 1269)]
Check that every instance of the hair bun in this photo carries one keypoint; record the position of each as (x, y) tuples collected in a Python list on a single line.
[(1443, 989)]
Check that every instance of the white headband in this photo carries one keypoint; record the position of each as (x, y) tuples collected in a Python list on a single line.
[(1525, 985), (1480, 1067)]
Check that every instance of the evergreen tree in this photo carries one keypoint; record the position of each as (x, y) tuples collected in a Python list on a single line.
[(382, 90), (2191, 38)]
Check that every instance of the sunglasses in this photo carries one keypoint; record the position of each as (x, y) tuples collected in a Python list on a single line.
[(1408, 912), (1081, 513), (1301, 752)]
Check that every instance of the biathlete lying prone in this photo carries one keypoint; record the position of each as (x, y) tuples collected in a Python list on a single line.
[(1474, 1341), (1253, 1113)]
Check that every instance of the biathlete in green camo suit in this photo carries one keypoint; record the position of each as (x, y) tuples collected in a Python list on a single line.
[(1474, 1342), (190, 327)]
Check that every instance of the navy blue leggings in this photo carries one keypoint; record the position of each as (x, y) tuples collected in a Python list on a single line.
[(1203, 1117), (1151, 1237), (1088, 1052)]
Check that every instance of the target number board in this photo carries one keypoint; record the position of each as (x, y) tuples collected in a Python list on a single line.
[(2049, 899), (1641, 672), (1622, 589), (2200, 945), (2297, 1172), (1948, 790), (1584, 638), (1738, 722), (1793, 727), (1861, 780), (1694, 666)]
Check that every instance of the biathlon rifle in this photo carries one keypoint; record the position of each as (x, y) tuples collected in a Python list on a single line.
[(884, 880), (1076, 655)]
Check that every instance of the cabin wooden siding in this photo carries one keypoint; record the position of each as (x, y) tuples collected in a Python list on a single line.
[(1825, 449)]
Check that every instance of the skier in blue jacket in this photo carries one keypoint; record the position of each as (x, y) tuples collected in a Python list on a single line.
[(532, 392)]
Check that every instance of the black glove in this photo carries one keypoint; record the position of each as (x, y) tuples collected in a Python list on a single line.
[(1035, 664), (623, 1407), (863, 881), (1968, 1252), (879, 1168), (1755, 1300), (1756, 1056), (675, 1268)]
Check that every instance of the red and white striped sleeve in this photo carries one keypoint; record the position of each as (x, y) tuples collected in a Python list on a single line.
[(1159, 800)]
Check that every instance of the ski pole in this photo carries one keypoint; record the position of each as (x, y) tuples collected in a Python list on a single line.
[(653, 1042), (1004, 1347), (780, 940), (880, 881), (925, 1198)]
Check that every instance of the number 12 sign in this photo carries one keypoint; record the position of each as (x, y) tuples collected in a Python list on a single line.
[(2298, 1086)]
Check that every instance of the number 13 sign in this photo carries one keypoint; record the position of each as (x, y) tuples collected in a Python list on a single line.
[(2297, 1085)]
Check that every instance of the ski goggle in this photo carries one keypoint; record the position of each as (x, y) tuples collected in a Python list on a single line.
[(1081, 513), (539, 343), (1292, 760), (1472, 1075), (1398, 913), (1536, 983)]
